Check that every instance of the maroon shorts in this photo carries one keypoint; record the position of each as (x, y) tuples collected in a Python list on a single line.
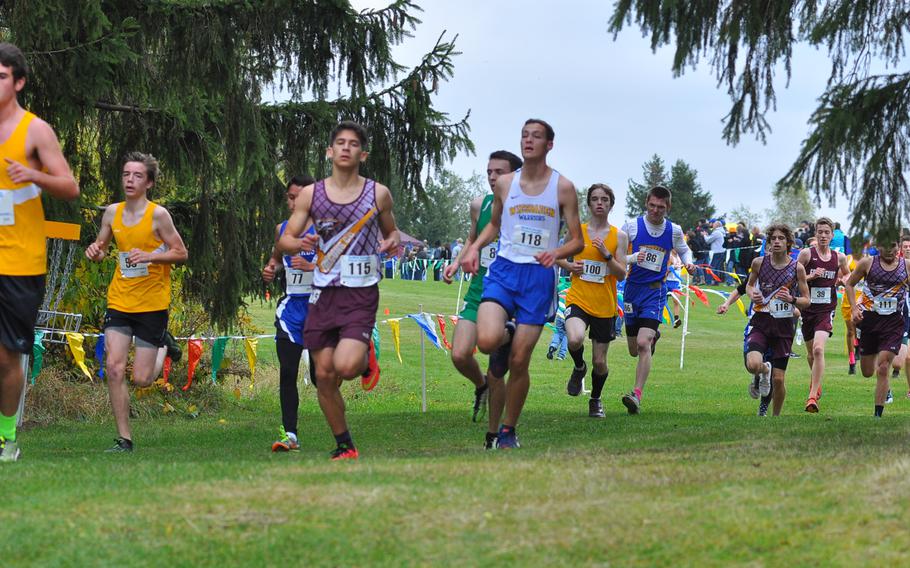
[(819, 321), (880, 333), (337, 313), (774, 333)]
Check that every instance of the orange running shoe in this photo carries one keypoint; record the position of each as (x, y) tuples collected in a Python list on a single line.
[(286, 443), (344, 452), (370, 378)]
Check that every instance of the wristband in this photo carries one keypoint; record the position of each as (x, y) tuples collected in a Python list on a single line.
[(609, 257)]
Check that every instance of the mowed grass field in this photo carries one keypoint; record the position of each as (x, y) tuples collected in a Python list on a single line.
[(696, 479)]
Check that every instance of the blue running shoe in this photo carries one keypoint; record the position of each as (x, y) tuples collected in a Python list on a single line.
[(507, 438)]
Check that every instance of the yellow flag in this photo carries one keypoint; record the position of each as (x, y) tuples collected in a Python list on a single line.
[(395, 324), (739, 304), (249, 345), (75, 340), (735, 276)]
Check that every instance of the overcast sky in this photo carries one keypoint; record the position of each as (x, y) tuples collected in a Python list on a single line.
[(613, 104)]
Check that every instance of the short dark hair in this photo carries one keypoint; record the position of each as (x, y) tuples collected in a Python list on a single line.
[(551, 134), (302, 180), (660, 192), (606, 189), (147, 160), (783, 228), (12, 57), (824, 221), (905, 237), (354, 127), (514, 161)]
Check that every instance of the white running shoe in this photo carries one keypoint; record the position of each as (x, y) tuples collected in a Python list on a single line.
[(753, 387), (764, 381)]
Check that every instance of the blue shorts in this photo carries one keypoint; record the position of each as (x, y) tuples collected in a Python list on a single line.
[(527, 292), (290, 317), (643, 301), (672, 285)]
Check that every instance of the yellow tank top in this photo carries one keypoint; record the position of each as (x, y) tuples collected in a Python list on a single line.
[(595, 290), (142, 287), (22, 242)]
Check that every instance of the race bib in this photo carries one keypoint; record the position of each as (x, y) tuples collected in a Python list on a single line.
[(7, 213), (654, 259), (780, 309), (314, 295), (885, 305), (530, 240), (627, 307), (358, 271), (298, 281), (132, 270), (594, 271), (820, 295), (488, 254)]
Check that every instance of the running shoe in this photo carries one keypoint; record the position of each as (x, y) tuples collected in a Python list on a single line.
[(889, 398), (852, 370), (812, 405), (654, 342), (480, 402), (677, 322), (287, 442), (596, 408), (550, 352), (121, 446), (344, 452), (895, 373), (753, 387), (763, 408), (795, 356), (764, 380), (632, 402), (573, 387), (507, 439), (173, 349), (499, 359), (370, 377), (9, 450), (489, 442)]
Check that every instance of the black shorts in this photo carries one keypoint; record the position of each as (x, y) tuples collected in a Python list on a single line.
[(147, 327), (20, 299), (602, 330)]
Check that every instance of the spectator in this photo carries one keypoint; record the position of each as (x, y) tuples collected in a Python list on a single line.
[(699, 248), (715, 242)]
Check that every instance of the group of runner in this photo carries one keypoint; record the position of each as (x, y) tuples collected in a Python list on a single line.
[(328, 254)]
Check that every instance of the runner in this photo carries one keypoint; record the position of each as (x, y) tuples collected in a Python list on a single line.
[(139, 294), (651, 237), (852, 343), (673, 284), (521, 283), (901, 360), (878, 314), (500, 163), (823, 267), (776, 283), (289, 319), (349, 213), (591, 301), (32, 163)]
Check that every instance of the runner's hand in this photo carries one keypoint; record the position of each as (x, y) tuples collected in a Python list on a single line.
[(94, 252), (576, 267), (857, 314), (138, 256), (785, 295), (722, 309), (449, 273), (19, 173), (691, 269), (268, 273), (599, 245), (390, 244), (301, 263), (470, 261), (308, 243), (756, 296), (640, 257), (545, 258)]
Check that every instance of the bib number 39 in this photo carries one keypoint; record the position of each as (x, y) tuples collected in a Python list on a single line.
[(132, 269), (358, 271), (820, 295)]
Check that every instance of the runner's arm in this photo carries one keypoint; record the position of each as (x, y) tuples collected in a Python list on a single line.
[(163, 226), (98, 249), (802, 302), (470, 261), (862, 267), (754, 294), (54, 175), (617, 264), (289, 243), (274, 264), (568, 203), (452, 268), (390, 235)]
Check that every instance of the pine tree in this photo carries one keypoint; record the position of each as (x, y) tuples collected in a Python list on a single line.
[(859, 143), (690, 201), (653, 173), (190, 81)]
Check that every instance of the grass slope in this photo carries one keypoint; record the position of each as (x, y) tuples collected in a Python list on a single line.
[(695, 479)]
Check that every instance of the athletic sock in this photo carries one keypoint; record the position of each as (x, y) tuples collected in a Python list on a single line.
[(344, 438), (579, 357), (852, 357), (597, 384), (637, 392), (8, 427), (879, 409)]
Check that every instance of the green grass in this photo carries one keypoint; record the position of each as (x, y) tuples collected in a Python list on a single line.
[(696, 479)]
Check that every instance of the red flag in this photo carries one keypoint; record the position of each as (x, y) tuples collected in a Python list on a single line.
[(441, 319), (700, 295), (195, 349), (712, 275)]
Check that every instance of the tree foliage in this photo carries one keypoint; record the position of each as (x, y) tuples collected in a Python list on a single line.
[(690, 202), (745, 214), (194, 82), (858, 142), (792, 205), (443, 214)]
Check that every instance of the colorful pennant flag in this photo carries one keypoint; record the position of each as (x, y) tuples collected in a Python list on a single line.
[(217, 355), (441, 319), (429, 328), (376, 340), (395, 326), (75, 341), (37, 354), (249, 347), (194, 347), (99, 356)]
